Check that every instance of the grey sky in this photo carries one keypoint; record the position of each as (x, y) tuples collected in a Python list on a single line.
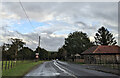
[(60, 19)]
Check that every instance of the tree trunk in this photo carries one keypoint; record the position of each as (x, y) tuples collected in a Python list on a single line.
[(16, 55)]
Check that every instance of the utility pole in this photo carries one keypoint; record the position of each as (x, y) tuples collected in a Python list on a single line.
[(37, 54), (39, 42)]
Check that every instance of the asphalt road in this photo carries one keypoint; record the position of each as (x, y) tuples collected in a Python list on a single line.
[(58, 69)]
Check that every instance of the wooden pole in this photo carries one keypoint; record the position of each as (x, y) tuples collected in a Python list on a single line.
[(6, 65), (39, 42), (2, 65), (11, 64)]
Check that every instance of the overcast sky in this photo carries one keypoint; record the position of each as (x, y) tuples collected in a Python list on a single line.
[(53, 21)]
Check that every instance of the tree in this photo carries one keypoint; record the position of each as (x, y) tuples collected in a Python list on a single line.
[(26, 54), (104, 37), (5, 53), (77, 42), (17, 44), (9, 51), (43, 54), (62, 53)]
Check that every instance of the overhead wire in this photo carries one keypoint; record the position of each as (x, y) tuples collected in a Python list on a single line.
[(25, 13), (26, 16)]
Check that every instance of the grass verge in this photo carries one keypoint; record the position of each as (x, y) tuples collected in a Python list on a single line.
[(21, 69), (76, 62)]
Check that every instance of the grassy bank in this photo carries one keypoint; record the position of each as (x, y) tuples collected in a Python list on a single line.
[(76, 62), (21, 69)]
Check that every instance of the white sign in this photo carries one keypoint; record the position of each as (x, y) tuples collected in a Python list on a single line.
[(37, 54)]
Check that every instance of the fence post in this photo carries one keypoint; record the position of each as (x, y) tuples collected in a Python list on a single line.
[(2, 64), (14, 63), (11, 63), (6, 65)]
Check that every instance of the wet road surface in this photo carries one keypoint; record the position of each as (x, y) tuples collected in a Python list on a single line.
[(58, 69)]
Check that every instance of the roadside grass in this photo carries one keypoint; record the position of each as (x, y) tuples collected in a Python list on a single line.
[(79, 62), (21, 68), (76, 62), (111, 66), (73, 62)]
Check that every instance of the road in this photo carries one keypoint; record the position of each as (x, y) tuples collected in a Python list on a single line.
[(58, 69)]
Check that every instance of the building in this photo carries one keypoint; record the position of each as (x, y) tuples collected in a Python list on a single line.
[(102, 54), (77, 58)]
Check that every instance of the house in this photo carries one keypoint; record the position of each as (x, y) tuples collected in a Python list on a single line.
[(102, 54), (76, 58)]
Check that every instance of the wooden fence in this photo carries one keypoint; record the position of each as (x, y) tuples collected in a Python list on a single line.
[(79, 60), (8, 64)]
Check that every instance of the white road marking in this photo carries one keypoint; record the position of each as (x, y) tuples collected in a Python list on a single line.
[(56, 64), (65, 63)]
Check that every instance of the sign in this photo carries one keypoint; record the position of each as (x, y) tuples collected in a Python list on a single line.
[(37, 54)]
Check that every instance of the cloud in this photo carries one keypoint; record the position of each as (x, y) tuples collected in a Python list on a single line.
[(61, 18)]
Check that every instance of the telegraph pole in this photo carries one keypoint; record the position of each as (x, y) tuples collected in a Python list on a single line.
[(37, 54), (39, 42)]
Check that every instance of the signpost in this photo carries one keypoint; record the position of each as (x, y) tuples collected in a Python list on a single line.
[(37, 56)]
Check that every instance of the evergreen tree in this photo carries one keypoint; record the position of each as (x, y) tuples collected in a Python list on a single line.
[(104, 37)]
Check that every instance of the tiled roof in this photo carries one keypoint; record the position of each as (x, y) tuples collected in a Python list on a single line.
[(90, 50), (102, 49)]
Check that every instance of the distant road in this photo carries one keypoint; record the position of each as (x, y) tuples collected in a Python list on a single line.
[(58, 69)]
